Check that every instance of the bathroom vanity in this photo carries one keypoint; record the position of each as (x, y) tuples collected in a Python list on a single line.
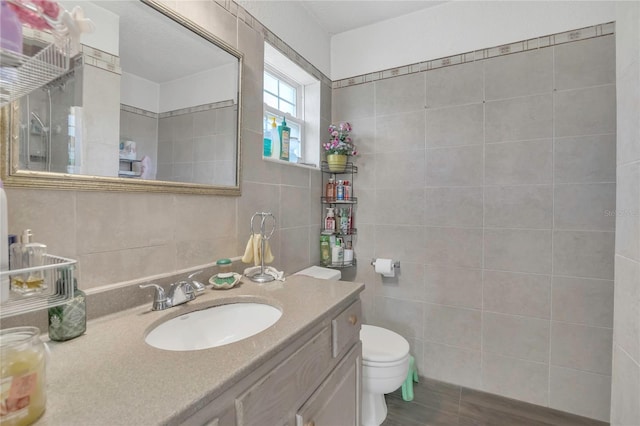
[(304, 370)]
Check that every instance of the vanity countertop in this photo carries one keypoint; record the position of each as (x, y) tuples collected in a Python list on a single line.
[(110, 376)]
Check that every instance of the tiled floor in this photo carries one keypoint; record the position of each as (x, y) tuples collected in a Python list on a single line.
[(442, 404)]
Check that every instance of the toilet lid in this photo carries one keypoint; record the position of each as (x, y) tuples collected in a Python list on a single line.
[(382, 345)]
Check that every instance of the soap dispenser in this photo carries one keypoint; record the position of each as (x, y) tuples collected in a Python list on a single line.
[(28, 254)]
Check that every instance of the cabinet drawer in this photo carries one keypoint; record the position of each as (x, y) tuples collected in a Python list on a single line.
[(337, 400), (346, 328), (270, 400)]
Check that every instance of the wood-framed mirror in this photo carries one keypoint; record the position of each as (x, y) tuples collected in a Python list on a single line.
[(151, 103)]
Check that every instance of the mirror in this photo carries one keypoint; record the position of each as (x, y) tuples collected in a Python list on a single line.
[(150, 104)]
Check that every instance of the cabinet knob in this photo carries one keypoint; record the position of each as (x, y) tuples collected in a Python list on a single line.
[(353, 319), (310, 423)]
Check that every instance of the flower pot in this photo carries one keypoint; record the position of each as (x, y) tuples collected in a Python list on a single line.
[(337, 162)]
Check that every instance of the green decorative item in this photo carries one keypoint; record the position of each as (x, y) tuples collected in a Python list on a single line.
[(69, 320), (337, 162)]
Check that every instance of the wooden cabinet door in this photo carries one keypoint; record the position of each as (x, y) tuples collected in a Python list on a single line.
[(337, 400)]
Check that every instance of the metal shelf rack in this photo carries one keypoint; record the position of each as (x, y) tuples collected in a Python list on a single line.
[(57, 289)]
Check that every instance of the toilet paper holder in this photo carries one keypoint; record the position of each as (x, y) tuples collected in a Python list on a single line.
[(396, 264)]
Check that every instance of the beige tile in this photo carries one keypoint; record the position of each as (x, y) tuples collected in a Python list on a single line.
[(256, 197), (518, 119), (515, 163), (583, 254), (400, 94), (584, 206), (527, 73), (388, 208), (454, 206), (516, 336), (204, 148), (589, 111), (366, 176), (581, 347), (402, 316), (111, 267), (453, 246), (518, 250), (522, 206), (585, 63), (400, 132), (461, 84), (453, 286), (583, 301), (295, 206), (127, 221), (404, 243), (407, 284), (627, 306), (365, 210), (458, 166), (452, 365), (625, 389), (363, 134), (627, 213), (458, 125), (579, 392), (294, 249), (207, 217), (514, 378), (452, 326), (51, 215), (517, 294), (190, 253), (628, 104), (353, 102), (400, 169), (254, 168), (585, 159)]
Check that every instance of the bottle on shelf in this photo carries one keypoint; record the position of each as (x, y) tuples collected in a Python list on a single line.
[(330, 221), (330, 193), (344, 221), (284, 133), (337, 253), (266, 140), (275, 139), (340, 190)]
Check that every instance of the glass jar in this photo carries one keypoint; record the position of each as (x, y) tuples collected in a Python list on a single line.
[(22, 376), (225, 268)]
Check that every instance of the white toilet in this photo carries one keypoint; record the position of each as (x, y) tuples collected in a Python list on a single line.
[(385, 360)]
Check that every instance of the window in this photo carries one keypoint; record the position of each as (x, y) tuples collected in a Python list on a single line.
[(290, 93)]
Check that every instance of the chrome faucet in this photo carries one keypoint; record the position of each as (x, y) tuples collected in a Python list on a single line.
[(179, 293), (197, 285)]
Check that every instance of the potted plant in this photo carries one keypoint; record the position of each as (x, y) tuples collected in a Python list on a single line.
[(339, 147)]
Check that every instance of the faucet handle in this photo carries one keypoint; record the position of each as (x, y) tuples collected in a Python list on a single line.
[(181, 292), (197, 285), (160, 300)]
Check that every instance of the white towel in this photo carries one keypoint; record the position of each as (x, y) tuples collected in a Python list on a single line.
[(252, 253)]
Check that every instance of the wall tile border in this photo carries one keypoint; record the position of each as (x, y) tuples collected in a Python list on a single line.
[(242, 14), (479, 55)]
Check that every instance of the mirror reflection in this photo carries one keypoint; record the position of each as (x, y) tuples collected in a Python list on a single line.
[(146, 99)]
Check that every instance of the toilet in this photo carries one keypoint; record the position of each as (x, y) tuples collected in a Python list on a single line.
[(385, 360)]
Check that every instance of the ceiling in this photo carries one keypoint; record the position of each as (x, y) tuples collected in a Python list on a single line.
[(339, 16)]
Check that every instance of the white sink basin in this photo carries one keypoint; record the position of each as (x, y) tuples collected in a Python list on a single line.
[(212, 327)]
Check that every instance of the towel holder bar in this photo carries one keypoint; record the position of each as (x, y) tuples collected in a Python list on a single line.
[(262, 277)]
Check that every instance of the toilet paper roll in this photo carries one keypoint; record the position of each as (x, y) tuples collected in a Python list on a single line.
[(385, 267)]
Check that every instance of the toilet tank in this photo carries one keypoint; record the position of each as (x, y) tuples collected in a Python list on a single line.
[(320, 272)]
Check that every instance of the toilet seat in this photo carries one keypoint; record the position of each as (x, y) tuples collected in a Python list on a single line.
[(382, 347)]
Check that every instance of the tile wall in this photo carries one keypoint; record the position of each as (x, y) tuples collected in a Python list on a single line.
[(493, 182), (120, 237), (625, 392)]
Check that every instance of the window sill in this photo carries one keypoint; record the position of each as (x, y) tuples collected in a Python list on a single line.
[(302, 165)]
